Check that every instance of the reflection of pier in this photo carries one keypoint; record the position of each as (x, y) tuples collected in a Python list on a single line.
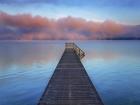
[(70, 84)]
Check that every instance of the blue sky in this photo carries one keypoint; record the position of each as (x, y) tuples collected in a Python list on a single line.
[(123, 11)]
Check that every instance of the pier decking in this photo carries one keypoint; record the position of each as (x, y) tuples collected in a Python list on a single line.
[(70, 84)]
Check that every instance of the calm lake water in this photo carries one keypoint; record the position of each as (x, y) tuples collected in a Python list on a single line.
[(26, 67)]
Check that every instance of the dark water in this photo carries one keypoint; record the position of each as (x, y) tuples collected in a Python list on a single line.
[(26, 67)]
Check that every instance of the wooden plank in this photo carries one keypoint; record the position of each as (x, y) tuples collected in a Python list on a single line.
[(70, 84)]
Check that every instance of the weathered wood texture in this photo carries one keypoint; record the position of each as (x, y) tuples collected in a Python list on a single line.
[(70, 84)]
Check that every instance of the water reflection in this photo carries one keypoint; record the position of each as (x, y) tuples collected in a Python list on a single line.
[(114, 68), (28, 53), (26, 67)]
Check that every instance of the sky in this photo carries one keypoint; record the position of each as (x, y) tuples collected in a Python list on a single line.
[(122, 16)]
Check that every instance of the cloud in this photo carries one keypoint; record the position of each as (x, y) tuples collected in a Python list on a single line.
[(28, 27)]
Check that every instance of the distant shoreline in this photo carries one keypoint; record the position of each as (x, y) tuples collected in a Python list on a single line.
[(117, 38)]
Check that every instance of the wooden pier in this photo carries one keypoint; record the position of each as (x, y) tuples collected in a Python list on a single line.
[(70, 84)]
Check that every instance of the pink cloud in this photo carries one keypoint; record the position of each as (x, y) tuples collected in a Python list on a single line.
[(28, 27), (23, 20)]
